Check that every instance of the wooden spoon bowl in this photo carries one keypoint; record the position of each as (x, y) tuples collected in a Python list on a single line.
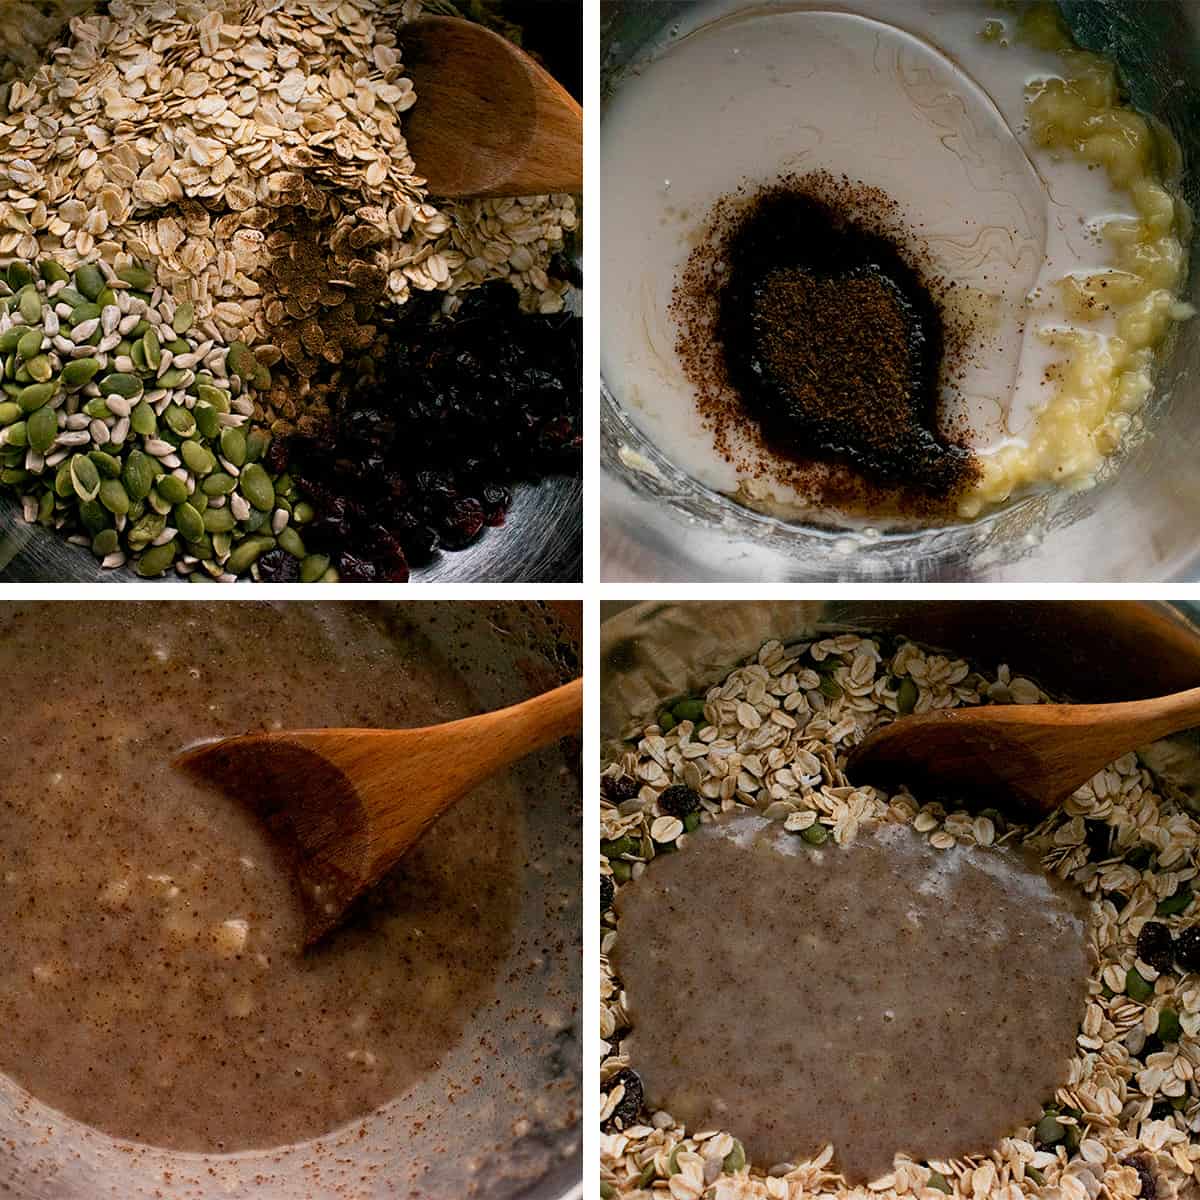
[(345, 804)]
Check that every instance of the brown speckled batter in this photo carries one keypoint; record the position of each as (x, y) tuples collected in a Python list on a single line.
[(151, 980), (885, 996)]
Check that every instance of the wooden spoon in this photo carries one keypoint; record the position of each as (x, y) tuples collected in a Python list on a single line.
[(1029, 755), (489, 121), (347, 803)]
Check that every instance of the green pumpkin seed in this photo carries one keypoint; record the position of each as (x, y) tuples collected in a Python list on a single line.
[(137, 352), (313, 567), (1049, 1131), (89, 280), (64, 485), (46, 508), (211, 396), (72, 298), (1169, 1028), (178, 346), (202, 547), (218, 520), (106, 542), (222, 543), (906, 696), (139, 473), (120, 384), (180, 420), (189, 522), (97, 409), (94, 516), (156, 560), (241, 360), (815, 835), (152, 349), (292, 542), (84, 477), (143, 421), (79, 372), (172, 378), (40, 368), (30, 345), (84, 311), (256, 486), (256, 520), (108, 466), (1137, 988), (207, 421), (17, 434), (302, 513), (257, 441), (688, 710), (31, 306), (245, 555), (41, 429), (262, 378), (199, 460), (938, 1182), (332, 576), (35, 395), (184, 317), (1177, 902), (145, 530), (137, 277), (54, 272), (114, 497), (14, 476), (10, 339), (19, 275), (9, 412), (233, 446), (735, 1160), (172, 489), (219, 484)]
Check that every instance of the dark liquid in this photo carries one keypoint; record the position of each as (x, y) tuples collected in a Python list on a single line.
[(835, 344)]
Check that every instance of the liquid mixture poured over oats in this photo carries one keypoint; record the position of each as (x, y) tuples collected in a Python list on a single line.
[(151, 976), (885, 996)]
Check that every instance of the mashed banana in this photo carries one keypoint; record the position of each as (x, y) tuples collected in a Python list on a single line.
[(1103, 376)]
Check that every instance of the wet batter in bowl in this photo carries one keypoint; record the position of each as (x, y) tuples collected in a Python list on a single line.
[(882, 996), (152, 983)]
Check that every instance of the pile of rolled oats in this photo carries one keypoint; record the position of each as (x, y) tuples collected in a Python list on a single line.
[(773, 737)]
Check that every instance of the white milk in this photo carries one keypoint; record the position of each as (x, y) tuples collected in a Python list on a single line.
[(904, 95)]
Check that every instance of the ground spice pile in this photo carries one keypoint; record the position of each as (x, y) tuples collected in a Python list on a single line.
[(801, 311)]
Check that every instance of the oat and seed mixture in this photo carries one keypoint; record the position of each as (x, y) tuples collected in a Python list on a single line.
[(249, 156), (772, 736)]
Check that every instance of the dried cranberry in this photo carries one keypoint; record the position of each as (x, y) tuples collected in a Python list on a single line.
[(278, 566), (630, 1104), (1148, 1188), (276, 457), (607, 891), (678, 801), (618, 788), (352, 569), (462, 524), (1156, 946), (1187, 948)]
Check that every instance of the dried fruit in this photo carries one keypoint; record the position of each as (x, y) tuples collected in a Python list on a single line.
[(1156, 946), (678, 801)]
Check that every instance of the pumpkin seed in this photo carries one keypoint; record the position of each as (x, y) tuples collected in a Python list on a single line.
[(218, 520), (10, 339), (219, 484), (31, 306), (241, 360), (139, 473), (313, 567), (292, 542), (41, 429), (19, 275), (17, 434), (207, 420), (108, 466), (114, 497), (35, 395), (184, 316), (79, 372), (233, 446), (143, 421), (255, 484), (30, 344), (172, 489), (89, 280), (189, 522), (302, 513), (137, 277), (180, 420), (145, 530), (40, 368), (257, 441), (121, 384), (53, 272), (9, 412), (94, 516), (156, 560), (152, 350), (735, 1160), (172, 378), (85, 477), (199, 461), (246, 554), (106, 542)]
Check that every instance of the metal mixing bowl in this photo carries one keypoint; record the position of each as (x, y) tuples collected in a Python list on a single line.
[(478, 1146), (1141, 525), (1097, 651)]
